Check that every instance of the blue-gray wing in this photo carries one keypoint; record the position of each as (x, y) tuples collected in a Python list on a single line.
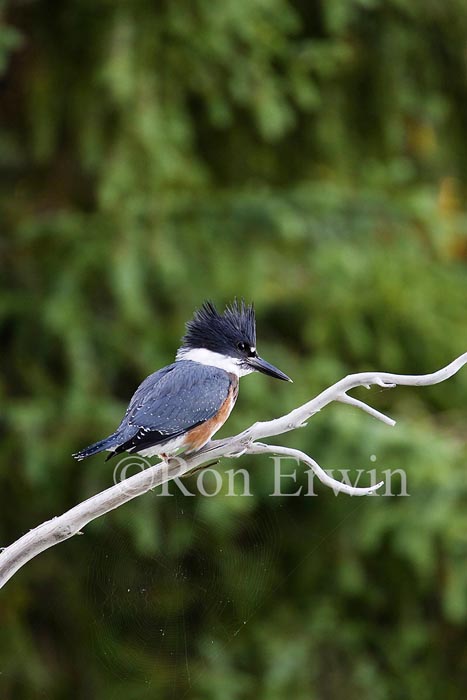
[(170, 402)]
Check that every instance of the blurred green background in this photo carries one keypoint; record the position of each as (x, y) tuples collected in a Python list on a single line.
[(309, 155)]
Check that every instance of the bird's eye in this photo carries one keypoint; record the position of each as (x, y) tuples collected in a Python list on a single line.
[(243, 347)]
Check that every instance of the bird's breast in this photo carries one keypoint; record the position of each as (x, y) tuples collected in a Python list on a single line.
[(199, 436)]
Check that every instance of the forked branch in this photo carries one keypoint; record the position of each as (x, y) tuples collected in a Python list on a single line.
[(71, 523)]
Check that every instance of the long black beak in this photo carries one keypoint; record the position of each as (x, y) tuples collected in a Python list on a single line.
[(262, 366)]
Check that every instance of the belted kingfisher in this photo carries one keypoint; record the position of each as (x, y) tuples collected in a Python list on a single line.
[(180, 407)]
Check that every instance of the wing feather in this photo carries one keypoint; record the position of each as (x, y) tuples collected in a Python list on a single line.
[(170, 402)]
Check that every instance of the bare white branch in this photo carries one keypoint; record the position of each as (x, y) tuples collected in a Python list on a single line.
[(338, 486), (343, 398), (74, 520)]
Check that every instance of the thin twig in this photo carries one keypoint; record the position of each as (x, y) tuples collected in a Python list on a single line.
[(338, 486), (343, 398)]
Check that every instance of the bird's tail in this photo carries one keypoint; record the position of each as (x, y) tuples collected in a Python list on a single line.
[(105, 444)]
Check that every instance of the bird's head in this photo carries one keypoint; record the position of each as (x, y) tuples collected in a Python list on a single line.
[(226, 340)]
